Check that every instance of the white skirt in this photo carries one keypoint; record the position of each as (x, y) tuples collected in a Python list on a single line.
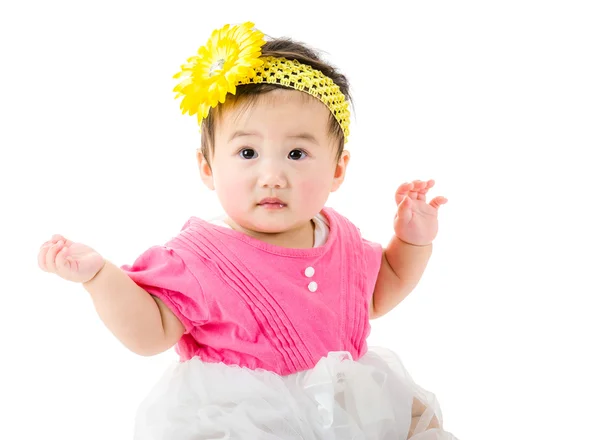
[(368, 399)]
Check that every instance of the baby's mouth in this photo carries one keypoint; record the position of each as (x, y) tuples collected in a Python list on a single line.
[(272, 203)]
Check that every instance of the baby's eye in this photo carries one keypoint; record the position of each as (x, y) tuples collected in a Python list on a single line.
[(248, 153), (297, 154)]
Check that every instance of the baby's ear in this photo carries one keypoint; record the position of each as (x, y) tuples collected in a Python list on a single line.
[(205, 170), (340, 170)]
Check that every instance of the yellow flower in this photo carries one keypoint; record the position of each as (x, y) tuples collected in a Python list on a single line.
[(231, 53)]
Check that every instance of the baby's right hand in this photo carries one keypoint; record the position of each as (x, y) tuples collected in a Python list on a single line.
[(72, 261)]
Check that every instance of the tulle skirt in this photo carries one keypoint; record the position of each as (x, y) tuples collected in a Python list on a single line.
[(340, 398)]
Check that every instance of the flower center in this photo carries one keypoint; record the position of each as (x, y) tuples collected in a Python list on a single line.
[(216, 66)]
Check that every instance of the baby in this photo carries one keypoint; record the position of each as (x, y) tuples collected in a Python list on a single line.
[(269, 307)]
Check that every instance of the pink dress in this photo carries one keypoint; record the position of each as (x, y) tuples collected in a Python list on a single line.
[(275, 341)]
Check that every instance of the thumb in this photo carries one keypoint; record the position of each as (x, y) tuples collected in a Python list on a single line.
[(404, 209), (406, 202)]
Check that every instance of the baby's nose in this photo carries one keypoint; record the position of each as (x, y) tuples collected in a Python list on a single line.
[(273, 178), (273, 181)]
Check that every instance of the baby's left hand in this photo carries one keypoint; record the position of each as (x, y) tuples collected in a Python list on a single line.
[(416, 221)]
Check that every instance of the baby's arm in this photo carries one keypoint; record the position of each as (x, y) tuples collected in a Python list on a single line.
[(140, 321), (402, 266), (406, 257)]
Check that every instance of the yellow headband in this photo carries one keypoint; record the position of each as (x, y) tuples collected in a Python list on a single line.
[(232, 57)]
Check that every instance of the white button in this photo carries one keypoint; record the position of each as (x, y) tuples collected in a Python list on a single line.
[(312, 286), (309, 272)]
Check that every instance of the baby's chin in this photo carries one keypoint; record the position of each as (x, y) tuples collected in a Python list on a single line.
[(271, 227), (265, 228)]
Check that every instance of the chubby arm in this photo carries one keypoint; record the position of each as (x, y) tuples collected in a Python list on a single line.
[(173, 328), (140, 321), (406, 257), (402, 266)]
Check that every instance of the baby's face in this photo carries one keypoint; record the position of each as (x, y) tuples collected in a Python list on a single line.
[(274, 162)]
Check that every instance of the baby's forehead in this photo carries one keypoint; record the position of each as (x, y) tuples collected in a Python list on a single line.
[(275, 99), (278, 110)]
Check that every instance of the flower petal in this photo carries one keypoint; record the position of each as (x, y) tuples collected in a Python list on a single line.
[(230, 55)]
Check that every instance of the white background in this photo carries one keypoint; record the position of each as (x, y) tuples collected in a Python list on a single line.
[(497, 101)]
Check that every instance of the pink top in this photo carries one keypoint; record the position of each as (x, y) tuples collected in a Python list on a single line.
[(249, 303)]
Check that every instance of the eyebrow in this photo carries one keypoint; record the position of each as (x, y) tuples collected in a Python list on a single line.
[(306, 136), (240, 133)]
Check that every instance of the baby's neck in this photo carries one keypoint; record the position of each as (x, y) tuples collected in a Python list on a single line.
[(299, 238)]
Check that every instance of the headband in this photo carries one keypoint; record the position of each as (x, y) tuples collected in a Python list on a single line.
[(232, 57)]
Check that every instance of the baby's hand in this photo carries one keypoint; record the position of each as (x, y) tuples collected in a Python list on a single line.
[(72, 261), (416, 220)]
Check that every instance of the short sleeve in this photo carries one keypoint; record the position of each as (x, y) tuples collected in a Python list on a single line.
[(163, 273), (372, 253)]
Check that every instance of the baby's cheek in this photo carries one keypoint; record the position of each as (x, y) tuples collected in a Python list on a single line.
[(314, 191), (231, 193)]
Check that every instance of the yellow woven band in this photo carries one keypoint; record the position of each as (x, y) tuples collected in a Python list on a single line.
[(298, 76), (232, 57)]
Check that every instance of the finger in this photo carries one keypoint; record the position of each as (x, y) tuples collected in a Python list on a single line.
[(44, 247), (404, 213), (405, 203), (438, 201), (424, 185), (51, 256), (57, 237), (402, 191), (422, 191), (416, 188), (415, 195), (405, 187), (427, 186), (423, 188), (61, 259), (42, 257), (417, 192)]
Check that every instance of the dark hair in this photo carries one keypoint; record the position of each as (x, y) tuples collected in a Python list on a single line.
[(291, 50)]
